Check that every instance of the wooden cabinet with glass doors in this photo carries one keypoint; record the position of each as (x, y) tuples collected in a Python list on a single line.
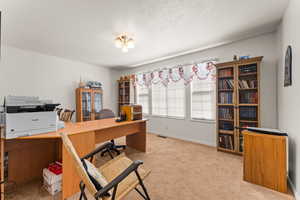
[(89, 103), (238, 101)]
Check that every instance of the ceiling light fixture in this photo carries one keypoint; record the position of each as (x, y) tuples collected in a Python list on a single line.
[(124, 42)]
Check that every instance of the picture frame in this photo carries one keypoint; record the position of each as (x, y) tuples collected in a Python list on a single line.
[(288, 67)]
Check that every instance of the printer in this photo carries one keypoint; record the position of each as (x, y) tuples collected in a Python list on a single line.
[(25, 116)]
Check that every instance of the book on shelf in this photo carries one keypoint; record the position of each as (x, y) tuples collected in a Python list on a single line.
[(248, 124), (226, 113), (248, 97), (248, 84), (225, 72), (226, 141), (227, 126), (248, 113), (226, 84), (248, 69), (225, 97)]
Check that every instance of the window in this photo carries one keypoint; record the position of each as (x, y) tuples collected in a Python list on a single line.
[(142, 97), (159, 99), (169, 101), (203, 99), (176, 99)]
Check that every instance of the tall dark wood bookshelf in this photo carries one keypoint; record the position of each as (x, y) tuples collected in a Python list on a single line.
[(126, 92), (238, 101)]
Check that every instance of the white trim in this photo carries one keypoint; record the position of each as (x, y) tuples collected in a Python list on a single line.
[(159, 116), (167, 117), (292, 186), (173, 117), (208, 121)]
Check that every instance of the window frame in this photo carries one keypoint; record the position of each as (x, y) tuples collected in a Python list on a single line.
[(213, 93), (167, 105), (157, 115), (188, 105), (149, 100), (184, 104)]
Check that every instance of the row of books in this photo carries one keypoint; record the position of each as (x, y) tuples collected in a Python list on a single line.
[(248, 113), (228, 126), (248, 68), (226, 84), (225, 97), (225, 72), (246, 84), (248, 97), (226, 113), (248, 124), (241, 138), (226, 141)]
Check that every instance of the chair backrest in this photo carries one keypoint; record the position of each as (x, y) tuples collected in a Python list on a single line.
[(79, 166), (66, 115), (106, 113)]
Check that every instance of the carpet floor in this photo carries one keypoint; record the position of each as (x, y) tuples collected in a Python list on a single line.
[(182, 171)]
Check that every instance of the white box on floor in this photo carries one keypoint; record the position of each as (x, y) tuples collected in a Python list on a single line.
[(51, 178), (54, 188)]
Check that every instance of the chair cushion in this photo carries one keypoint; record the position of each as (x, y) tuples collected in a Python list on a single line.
[(115, 167), (95, 175)]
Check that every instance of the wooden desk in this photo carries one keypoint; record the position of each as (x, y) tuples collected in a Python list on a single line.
[(265, 160), (29, 155)]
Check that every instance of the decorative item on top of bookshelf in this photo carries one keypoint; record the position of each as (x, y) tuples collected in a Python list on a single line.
[(288, 67), (238, 101)]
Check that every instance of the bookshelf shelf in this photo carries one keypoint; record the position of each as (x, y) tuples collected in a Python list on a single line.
[(248, 121), (226, 150), (225, 90), (246, 89), (248, 74), (238, 101), (226, 132), (248, 104), (225, 77), (223, 119)]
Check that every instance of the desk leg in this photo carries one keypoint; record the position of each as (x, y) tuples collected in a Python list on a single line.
[(84, 143), (138, 140)]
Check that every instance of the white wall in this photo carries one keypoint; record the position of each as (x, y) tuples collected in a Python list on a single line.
[(289, 97), (32, 74), (204, 132)]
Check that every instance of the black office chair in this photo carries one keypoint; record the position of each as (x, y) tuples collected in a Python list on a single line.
[(105, 114)]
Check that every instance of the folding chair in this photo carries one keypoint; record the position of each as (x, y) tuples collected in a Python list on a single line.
[(122, 174)]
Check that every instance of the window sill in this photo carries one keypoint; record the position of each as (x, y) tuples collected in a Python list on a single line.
[(208, 121), (167, 117)]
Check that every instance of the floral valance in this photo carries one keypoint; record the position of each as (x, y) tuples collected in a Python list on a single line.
[(201, 71)]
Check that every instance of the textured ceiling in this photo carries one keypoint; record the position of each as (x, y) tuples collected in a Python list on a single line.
[(84, 30)]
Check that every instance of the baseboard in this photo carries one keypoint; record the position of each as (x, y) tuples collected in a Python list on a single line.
[(187, 139), (296, 194)]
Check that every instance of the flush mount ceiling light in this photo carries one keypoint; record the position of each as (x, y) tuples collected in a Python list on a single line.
[(124, 42)]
